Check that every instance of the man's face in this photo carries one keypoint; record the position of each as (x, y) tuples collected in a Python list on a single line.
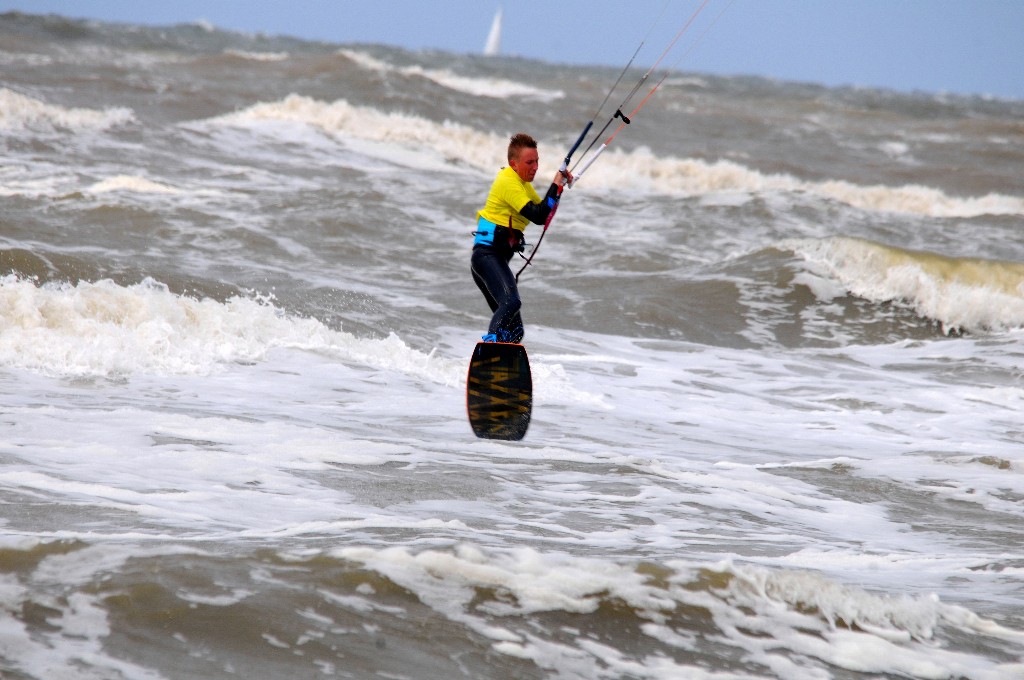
[(525, 164)]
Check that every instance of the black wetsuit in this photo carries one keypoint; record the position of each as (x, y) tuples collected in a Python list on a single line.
[(494, 277)]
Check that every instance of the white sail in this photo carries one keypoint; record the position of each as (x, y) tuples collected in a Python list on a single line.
[(493, 45)]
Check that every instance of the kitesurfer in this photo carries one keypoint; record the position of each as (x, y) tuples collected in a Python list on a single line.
[(511, 204)]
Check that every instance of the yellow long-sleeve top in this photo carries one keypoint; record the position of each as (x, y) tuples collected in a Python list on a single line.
[(508, 195)]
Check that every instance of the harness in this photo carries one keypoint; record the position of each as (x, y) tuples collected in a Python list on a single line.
[(496, 236)]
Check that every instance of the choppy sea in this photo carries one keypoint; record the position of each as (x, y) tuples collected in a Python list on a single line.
[(777, 337)]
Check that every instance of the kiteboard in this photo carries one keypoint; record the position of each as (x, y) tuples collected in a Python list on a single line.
[(499, 391)]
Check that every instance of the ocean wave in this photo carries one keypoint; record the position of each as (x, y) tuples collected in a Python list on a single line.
[(639, 169), (133, 184), (20, 112), (961, 293), (567, 616), (256, 56), (498, 88), (28, 59), (103, 329), (447, 139), (643, 169), (768, 613)]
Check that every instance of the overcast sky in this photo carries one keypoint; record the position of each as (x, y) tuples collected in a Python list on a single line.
[(959, 46)]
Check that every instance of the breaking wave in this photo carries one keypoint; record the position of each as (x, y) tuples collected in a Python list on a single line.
[(640, 169), (961, 293)]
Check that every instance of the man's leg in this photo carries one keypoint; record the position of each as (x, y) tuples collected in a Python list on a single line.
[(496, 281)]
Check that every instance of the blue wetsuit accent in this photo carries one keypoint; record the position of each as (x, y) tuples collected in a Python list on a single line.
[(484, 234)]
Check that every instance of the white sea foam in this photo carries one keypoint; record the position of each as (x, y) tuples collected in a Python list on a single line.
[(27, 58), (20, 112), (498, 88), (133, 184), (39, 180), (895, 150), (257, 56)]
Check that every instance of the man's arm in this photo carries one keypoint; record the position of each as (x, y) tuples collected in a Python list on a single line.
[(538, 212)]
